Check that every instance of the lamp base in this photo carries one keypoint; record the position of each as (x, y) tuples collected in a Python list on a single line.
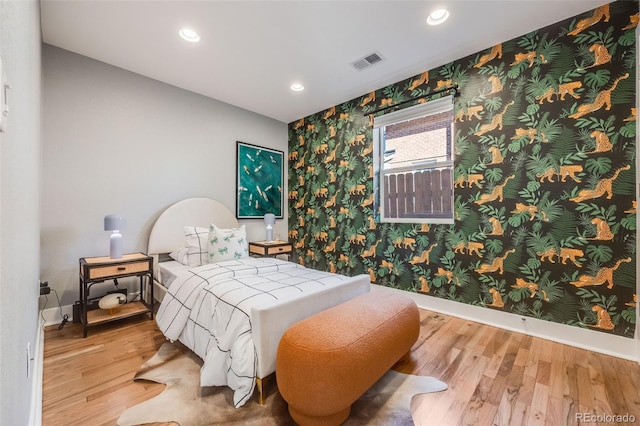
[(269, 236), (115, 246)]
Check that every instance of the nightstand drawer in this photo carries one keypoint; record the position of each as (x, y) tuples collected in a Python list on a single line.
[(279, 249), (120, 269), (274, 248)]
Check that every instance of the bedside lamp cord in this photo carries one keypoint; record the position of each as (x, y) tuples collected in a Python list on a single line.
[(65, 317)]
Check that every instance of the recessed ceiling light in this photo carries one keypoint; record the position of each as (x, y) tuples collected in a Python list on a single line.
[(189, 35), (297, 87), (438, 16)]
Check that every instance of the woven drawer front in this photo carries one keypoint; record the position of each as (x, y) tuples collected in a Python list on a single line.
[(279, 249), (121, 269)]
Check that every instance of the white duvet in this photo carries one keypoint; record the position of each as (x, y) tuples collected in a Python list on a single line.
[(208, 308)]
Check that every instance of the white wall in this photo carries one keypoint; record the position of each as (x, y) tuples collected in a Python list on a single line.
[(117, 142), (20, 45)]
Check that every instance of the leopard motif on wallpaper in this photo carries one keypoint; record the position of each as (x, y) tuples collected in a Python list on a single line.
[(544, 180)]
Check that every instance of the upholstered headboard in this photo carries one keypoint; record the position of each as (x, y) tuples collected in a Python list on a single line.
[(167, 233)]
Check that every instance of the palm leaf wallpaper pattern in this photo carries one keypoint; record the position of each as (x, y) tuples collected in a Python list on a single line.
[(545, 143)]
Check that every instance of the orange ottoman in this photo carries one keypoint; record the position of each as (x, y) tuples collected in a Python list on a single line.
[(327, 361)]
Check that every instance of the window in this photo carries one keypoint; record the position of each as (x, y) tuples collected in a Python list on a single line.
[(414, 156)]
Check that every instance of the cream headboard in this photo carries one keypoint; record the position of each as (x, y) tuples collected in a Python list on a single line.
[(167, 233)]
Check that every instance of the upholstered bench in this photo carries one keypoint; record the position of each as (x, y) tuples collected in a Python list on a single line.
[(327, 361)]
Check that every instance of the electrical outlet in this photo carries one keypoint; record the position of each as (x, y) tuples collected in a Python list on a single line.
[(44, 288)]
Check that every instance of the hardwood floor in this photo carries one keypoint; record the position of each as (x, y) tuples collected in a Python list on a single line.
[(495, 377), (90, 381)]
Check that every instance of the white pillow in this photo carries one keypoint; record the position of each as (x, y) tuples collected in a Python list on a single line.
[(197, 245), (181, 255), (227, 244)]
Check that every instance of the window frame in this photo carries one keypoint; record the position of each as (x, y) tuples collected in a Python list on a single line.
[(434, 107)]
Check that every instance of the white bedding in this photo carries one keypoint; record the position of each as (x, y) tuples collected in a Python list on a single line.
[(220, 330)]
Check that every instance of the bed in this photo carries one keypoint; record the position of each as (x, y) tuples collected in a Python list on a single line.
[(233, 313)]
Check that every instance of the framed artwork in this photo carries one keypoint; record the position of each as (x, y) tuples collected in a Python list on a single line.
[(259, 177)]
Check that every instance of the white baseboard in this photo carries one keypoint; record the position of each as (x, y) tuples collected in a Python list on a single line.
[(603, 343), (35, 409), (53, 316)]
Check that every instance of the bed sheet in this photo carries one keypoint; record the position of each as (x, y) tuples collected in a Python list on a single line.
[(168, 271)]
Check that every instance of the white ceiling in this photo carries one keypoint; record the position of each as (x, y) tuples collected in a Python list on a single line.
[(252, 51)]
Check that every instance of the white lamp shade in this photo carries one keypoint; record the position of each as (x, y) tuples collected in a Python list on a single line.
[(114, 222), (269, 219)]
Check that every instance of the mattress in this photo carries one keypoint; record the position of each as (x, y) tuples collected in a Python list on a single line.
[(168, 271)]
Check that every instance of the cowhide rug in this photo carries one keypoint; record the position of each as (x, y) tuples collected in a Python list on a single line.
[(185, 403)]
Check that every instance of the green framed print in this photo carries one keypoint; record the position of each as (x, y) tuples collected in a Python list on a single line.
[(259, 177)]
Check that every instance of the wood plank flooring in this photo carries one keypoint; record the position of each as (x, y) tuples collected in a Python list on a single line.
[(495, 377), (89, 381)]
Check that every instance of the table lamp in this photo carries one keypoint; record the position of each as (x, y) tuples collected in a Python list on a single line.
[(269, 221), (114, 223)]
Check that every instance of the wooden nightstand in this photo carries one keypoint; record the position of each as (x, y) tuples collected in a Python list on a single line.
[(94, 270), (270, 248)]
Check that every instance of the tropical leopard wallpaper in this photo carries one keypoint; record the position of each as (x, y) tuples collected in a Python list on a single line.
[(545, 143)]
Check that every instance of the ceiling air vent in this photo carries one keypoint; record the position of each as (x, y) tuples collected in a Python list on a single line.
[(367, 61)]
